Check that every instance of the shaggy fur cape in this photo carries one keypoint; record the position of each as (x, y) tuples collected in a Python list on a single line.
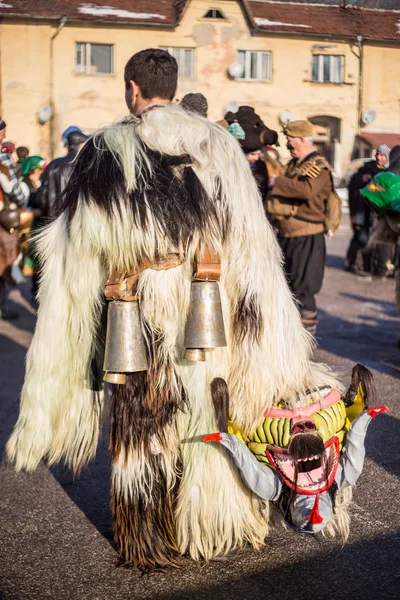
[(145, 188)]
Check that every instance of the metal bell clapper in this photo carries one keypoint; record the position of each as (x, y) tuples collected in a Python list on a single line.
[(205, 324), (125, 345)]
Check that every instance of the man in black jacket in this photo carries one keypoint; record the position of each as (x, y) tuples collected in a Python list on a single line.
[(360, 213), (56, 175)]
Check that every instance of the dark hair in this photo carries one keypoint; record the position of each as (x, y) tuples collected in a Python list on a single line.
[(155, 71), (22, 153), (220, 397)]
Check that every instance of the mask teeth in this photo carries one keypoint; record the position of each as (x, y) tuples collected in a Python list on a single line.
[(308, 458)]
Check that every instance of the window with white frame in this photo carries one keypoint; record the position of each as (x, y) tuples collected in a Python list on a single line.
[(257, 65), (94, 59), (185, 59), (327, 68)]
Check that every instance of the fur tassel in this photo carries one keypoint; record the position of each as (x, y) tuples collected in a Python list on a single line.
[(144, 473), (220, 397), (361, 376)]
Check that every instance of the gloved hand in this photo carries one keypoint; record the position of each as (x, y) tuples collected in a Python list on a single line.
[(374, 411)]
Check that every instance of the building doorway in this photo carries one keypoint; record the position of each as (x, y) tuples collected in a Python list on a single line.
[(327, 138)]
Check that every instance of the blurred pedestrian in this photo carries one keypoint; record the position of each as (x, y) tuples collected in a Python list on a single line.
[(196, 103), (273, 161), (56, 175), (252, 134), (12, 197), (31, 171), (22, 153), (360, 214), (9, 148), (394, 160), (297, 206)]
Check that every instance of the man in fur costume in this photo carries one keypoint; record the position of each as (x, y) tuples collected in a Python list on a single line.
[(145, 198)]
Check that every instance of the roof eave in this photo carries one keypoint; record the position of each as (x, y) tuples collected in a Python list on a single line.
[(304, 34), (77, 20)]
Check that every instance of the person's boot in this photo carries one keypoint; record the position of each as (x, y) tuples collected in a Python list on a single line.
[(309, 320), (5, 315), (8, 315)]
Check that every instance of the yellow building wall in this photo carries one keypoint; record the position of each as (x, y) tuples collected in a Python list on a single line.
[(381, 87), (24, 51), (90, 101)]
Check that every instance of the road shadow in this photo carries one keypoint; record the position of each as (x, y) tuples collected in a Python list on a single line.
[(354, 341), (12, 360), (382, 442), (360, 571), (26, 319), (334, 262), (90, 490)]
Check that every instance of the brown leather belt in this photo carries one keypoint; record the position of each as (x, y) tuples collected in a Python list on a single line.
[(121, 285), (208, 264)]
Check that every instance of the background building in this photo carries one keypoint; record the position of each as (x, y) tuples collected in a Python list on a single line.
[(335, 63)]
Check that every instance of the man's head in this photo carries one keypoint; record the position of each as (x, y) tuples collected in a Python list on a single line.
[(65, 134), (75, 141), (382, 155), (299, 138), (22, 153), (150, 76), (196, 103), (2, 129), (9, 148)]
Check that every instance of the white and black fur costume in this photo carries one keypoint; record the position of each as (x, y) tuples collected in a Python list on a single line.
[(147, 187)]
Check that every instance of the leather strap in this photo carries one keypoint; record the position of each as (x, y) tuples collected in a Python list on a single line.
[(208, 264), (122, 285)]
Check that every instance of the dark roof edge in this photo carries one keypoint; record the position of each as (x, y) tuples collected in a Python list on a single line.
[(77, 20), (348, 7), (325, 35)]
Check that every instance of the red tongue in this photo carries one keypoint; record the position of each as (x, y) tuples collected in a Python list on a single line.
[(314, 517)]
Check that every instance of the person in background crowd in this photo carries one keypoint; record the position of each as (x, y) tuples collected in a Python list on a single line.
[(22, 153), (66, 132), (56, 175), (10, 192), (394, 161), (52, 183), (360, 215), (31, 171), (252, 134), (196, 103), (272, 161), (298, 213), (9, 148)]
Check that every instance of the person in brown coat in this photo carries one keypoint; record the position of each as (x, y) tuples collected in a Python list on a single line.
[(297, 207)]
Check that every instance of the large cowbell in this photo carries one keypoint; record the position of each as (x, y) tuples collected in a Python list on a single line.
[(125, 345), (205, 323)]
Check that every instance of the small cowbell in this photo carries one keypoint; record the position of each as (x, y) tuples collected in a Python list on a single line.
[(125, 345), (205, 323)]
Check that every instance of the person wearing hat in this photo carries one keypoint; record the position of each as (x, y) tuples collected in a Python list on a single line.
[(66, 132), (296, 205), (31, 171), (359, 254), (57, 173)]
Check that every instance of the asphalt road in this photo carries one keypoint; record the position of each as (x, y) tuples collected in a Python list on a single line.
[(55, 530)]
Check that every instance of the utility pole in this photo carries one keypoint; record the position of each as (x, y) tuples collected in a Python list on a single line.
[(61, 24)]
